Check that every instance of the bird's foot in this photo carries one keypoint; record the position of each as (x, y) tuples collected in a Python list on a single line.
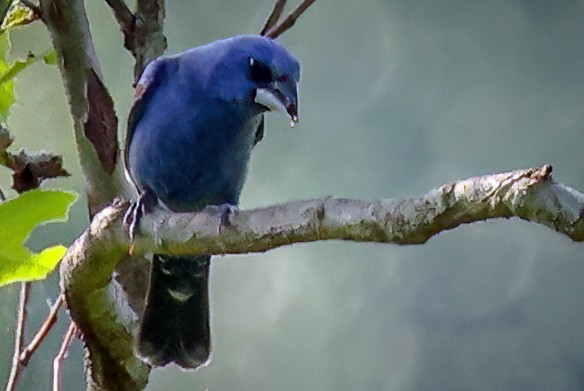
[(137, 209), (226, 211), (130, 218)]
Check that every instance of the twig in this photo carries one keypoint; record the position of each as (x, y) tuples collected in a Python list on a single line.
[(274, 16), (290, 20), (44, 330), (19, 336), (61, 355), (30, 169), (122, 13)]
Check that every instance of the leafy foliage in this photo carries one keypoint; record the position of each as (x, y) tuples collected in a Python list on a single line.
[(7, 87), (50, 57), (18, 15), (9, 71), (29, 169), (18, 218)]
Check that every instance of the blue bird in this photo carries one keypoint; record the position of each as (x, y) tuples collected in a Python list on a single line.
[(197, 117)]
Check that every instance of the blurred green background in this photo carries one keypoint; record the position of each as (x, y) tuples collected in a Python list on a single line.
[(396, 97)]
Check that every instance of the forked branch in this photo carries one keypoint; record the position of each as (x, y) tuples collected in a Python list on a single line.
[(123, 15), (42, 333), (274, 16), (290, 20)]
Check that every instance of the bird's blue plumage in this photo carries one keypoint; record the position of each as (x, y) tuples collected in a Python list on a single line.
[(191, 131)]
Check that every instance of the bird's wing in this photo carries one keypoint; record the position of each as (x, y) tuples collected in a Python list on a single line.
[(259, 132), (145, 89)]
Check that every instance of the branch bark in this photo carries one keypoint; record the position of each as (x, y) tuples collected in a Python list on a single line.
[(144, 38), (86, 271), (95, 126), (122, 14), (94, 119)]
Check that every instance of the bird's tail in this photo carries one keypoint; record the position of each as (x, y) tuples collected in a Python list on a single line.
[(175, 324)]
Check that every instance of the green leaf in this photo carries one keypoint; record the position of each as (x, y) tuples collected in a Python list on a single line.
[(50, 57), (7, 88), (16, 68), (8, 73), (18, 218), (4, 45), (18, 15)]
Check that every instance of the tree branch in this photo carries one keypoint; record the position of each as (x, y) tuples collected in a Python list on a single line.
[(19, 336), (145, 39), (94, 119), (290, 20), (99, 310), (122, 14), (143, 30), (274, 16), (44, 330), (71, 330)]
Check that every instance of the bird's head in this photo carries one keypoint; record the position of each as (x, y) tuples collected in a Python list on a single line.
[(257, 72)]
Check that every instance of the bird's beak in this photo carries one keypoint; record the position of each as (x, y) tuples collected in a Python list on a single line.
[(280, 96)]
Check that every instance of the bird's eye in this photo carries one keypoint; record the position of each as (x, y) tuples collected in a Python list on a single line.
[(259, 72)]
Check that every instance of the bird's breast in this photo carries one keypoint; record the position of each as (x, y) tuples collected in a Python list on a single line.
[(194, 159)]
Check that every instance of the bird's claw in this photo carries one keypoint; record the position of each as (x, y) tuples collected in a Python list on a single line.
[(226, 211), (132, 219), (136, 211)]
